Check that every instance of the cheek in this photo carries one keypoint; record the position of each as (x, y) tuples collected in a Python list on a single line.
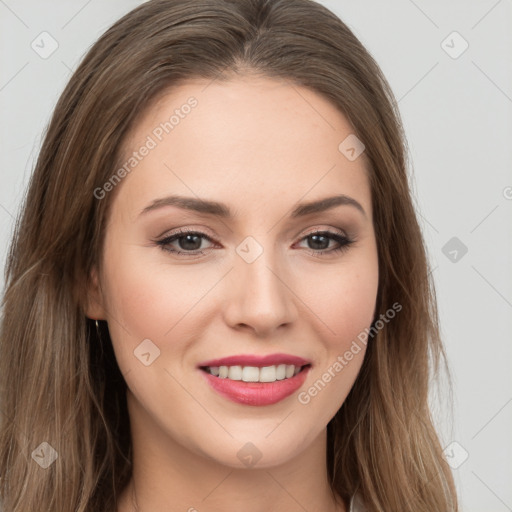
[(342, 297), (149, 298), (350, 306), (137, 298), (141, 300), (346, 307)]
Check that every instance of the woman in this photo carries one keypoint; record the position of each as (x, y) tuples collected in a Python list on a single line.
[(217, 294)]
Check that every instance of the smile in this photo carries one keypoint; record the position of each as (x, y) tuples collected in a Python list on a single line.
[(256, 380)]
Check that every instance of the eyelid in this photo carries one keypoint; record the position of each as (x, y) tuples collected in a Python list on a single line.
[(188, 229), (317, 229)]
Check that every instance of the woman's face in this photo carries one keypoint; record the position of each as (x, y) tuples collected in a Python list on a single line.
[(252, 289)]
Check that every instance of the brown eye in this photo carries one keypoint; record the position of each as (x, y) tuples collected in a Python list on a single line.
[(319, 241), (188, 242)]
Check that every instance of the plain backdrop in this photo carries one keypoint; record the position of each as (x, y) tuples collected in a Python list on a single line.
[(450, 67)]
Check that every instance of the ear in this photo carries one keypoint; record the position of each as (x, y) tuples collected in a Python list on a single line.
[(94, 306)]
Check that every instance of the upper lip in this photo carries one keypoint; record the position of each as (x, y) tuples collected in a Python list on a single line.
[(255, 360)]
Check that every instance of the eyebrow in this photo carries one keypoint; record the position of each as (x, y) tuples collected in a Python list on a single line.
[(222, 210)]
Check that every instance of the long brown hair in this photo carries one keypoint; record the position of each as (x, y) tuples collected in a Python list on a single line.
[(60, 383)]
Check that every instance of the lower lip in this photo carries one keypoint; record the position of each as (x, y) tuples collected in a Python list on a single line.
[(256, 393)]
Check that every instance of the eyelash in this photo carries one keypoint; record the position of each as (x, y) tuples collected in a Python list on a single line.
[(341, 239)]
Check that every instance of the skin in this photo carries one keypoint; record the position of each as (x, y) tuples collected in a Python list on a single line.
[(261, 146)]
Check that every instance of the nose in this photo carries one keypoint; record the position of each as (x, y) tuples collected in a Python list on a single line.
[(260, 297)]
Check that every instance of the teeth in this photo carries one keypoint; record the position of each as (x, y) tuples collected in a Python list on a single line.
[(251, 374), (235, 372), (254, 373), (268, 374)]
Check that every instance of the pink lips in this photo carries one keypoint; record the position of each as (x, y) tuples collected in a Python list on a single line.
[(259, 361), (256, 393)]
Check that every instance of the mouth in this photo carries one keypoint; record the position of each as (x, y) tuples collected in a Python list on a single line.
[(256, 380)]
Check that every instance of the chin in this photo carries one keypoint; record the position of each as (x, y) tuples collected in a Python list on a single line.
[(256, 451)]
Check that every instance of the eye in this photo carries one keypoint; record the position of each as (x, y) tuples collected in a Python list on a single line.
[(319, 242), (188, 242)]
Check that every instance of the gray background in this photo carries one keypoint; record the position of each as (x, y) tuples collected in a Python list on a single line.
[(457, 117)]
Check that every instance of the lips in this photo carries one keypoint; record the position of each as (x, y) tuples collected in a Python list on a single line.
[(259, 361), (256, 380)]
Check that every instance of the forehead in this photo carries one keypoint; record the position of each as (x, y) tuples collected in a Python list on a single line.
[(253, 140)]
